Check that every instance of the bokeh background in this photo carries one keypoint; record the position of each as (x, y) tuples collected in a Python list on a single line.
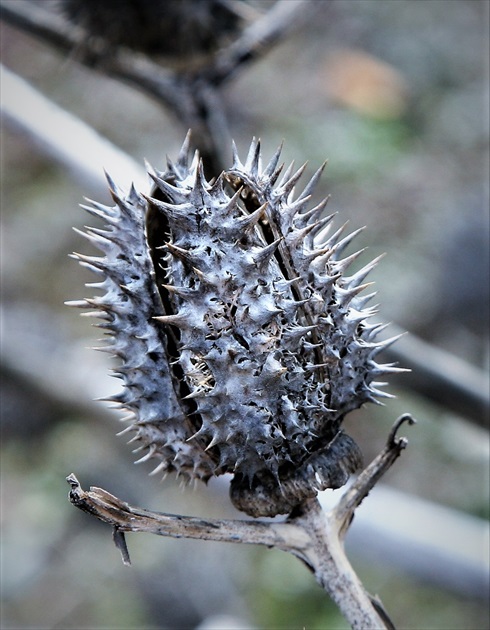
[(395, 95)]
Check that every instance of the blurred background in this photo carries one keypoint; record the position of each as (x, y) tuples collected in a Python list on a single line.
[(395, 95)]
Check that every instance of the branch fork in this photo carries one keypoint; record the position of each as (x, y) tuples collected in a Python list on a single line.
[(308, 533)]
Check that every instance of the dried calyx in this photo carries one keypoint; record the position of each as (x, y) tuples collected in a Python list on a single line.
[(242, 341)]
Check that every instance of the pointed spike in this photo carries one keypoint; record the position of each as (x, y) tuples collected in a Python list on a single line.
[(373, 330), (345, 295), (183, 157), (321, 223), (217, 186), (116, 193), (100, 211), (332, 240), (203, 277), (247, 223), (147, 456), (383, 345), (266, 253), (215, 440), (359, 276), (271, 167), (344, 263), (363, 300), (172, 320), (286, 176), (311, 185), (252, 163), (233, 201), (136, 438), (179, 252), (174, 193), (323, 253), (323, 235), (200, 181), (197, 393), (236, 157), (202, 431), (133, 195), (170, 210), (380, 393), (159, 468), (342, 244), (180, 291), (283, 285), (287, 187), (77, 303), (387, 368), (298, 235)]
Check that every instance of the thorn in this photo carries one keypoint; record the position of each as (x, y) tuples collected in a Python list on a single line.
[(247, 223), (252, 163), (174, 193), (236, 158), (183, 292), (200, 181), (179, 252), (341, 245), (273, 162), (311, 185), (265, 254), (176, 319), (159, 468), (359, 276), (183, 157), (215, 440), (147, 456), (287, 187)]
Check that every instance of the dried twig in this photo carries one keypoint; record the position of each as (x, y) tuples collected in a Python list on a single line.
[(309, 533), (365, 482)]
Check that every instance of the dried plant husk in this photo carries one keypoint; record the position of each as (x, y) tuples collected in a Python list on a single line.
[(242, 340)]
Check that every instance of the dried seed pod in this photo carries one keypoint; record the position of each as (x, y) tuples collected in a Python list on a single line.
[(179, 28), (242, 341)]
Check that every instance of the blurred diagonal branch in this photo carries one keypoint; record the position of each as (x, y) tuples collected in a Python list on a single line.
[(190, 96), (437, 375)]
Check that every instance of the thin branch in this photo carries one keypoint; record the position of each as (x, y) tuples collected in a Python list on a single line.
[(343, 513), (309, 533), (333, 571), (119, 514), (442, 377), (284, 17), (306, 536), (65, 138), (52, 29)]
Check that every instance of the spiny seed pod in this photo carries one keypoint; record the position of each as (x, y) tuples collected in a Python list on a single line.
[(163, 27), (243, 342)]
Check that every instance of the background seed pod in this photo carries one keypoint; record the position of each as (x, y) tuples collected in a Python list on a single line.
[(180, 28), (242, 339)]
